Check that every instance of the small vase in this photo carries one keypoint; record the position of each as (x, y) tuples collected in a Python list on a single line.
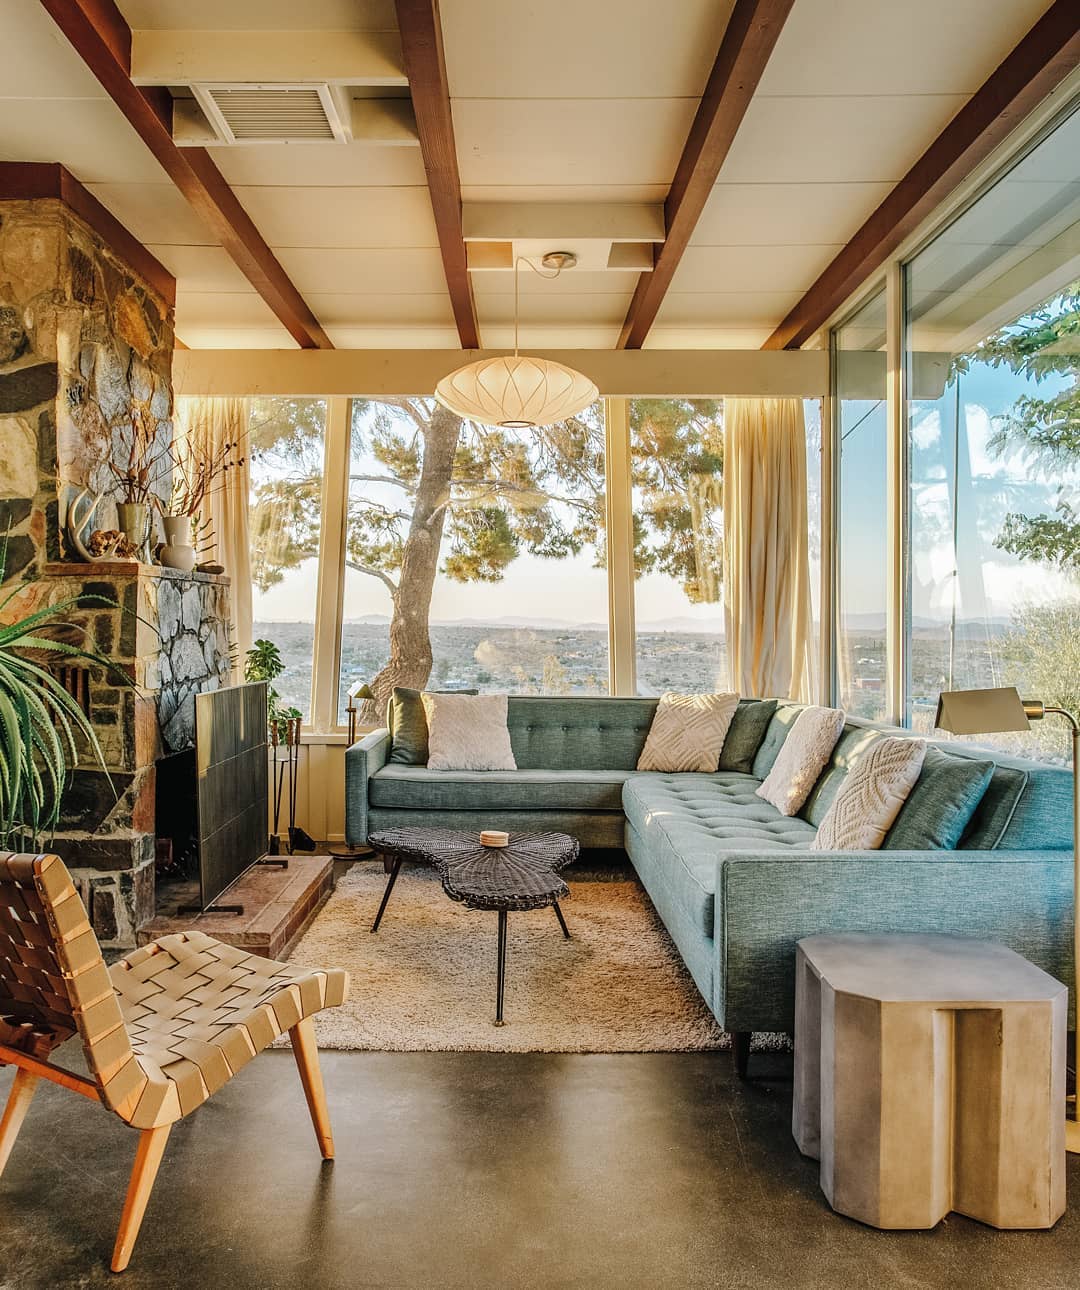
[(177, 551), (134, 521)]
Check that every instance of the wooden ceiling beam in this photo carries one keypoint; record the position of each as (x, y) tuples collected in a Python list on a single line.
[(96, 30), (1040, 62), (749, 39), (425, 67)]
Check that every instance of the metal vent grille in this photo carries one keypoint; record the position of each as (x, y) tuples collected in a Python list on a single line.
[(270, 113)]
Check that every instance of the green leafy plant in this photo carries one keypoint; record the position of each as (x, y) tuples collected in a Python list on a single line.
[(39, 720), (263, 662)]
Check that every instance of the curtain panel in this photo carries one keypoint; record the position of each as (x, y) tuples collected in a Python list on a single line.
[(204, 426), (767, 606)]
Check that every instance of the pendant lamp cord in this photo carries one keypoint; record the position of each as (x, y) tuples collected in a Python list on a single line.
[(524, 259)]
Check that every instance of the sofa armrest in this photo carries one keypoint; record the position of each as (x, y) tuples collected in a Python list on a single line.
[(767, 901), (362, 760)]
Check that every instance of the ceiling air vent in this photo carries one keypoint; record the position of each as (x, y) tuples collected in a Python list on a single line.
[(271, 113)]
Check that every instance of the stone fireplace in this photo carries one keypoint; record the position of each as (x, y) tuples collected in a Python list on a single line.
[(86, 336)]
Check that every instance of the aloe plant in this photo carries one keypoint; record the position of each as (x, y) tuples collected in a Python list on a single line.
[(39, 720)]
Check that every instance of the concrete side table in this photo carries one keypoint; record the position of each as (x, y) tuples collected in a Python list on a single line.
[(929, 1077)]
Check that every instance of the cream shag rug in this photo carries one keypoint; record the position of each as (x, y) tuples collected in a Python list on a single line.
[(426, 981)]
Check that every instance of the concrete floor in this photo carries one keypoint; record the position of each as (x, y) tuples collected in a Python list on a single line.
[(480, 1170)]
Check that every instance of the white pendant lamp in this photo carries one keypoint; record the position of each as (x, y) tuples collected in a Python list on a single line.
[(519, 391)]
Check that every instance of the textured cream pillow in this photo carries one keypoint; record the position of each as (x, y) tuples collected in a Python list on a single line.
[(467, 732), (802, 758), (688, 731), (871, 796)]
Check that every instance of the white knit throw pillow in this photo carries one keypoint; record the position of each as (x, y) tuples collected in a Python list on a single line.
[(802, 758), (871, 796), (688, 731), (467, 732)]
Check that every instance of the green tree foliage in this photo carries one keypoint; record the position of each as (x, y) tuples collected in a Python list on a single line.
[(429, 492), (1044, 343)]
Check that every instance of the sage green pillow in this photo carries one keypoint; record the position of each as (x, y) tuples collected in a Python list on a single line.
[(940, 806), (746, 734), (408, 726)]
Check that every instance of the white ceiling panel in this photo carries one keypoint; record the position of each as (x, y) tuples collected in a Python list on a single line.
[(352, 217), (345, 310), (222, 337), (835, 140), (571, 282), (913, 47), (403, 271), (394, 338), (568, 335), (36, 61), (154, 213), (322, 165), (587, 310), (579, 48), (222, 309), (791, 214), (260, 15), (536, 194), (88, 136), (750, 268), (201, 268), (661, 337), (570, 141), (731, 308)]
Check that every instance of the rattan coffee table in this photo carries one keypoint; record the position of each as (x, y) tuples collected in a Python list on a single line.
[(522, 875)]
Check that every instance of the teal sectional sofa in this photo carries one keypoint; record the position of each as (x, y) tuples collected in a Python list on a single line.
[(732, 879)]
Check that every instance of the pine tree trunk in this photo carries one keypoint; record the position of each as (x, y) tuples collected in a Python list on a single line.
[(410, 636)]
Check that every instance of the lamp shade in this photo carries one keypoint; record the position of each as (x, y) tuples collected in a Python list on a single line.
[(517, 391), (983, 712)]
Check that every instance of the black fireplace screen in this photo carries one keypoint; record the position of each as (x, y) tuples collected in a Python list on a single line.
[(231, 784)]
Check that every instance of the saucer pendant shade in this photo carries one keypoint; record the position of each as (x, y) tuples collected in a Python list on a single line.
[(518, 391)]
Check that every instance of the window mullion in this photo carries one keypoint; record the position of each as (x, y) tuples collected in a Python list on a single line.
[(328, 606), (622, 660)]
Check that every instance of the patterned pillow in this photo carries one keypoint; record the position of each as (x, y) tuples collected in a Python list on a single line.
[(688, 731), (802, 758), (870, 798), (468, 732)]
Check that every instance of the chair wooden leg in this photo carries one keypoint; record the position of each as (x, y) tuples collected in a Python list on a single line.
[(306, 1052), (18, 1103), (147, 1159)]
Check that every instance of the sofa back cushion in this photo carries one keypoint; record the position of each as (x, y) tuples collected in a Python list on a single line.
[(577, 732), (408, 726), (940, 806), (746, 734)]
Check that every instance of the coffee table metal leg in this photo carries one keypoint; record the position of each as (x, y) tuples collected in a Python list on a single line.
[(386, 894), (562, 921), (500, 987)]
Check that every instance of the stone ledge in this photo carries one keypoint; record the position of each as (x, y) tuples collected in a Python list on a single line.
[(127, 569)]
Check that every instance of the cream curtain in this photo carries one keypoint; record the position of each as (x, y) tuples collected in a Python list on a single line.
[(766, 562), (205, 426)]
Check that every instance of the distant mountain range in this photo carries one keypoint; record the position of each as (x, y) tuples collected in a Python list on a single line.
[(510, 621)]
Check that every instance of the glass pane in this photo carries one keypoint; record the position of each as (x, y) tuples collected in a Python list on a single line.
[(994, 447), (862, 592), (677, 464), (287, 438), (474, 556)]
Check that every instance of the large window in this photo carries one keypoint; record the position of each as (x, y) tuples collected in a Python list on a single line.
[(993, 433), (474, 556), (286, 438), (677, 464), (862, 505)]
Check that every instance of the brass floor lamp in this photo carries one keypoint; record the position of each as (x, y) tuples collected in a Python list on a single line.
[(983, 712)]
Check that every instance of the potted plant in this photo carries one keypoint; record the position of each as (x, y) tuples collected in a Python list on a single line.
[(148, 464), (197, 475), (39, 721)]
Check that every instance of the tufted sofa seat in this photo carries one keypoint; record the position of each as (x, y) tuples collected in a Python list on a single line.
[(735, 882)]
